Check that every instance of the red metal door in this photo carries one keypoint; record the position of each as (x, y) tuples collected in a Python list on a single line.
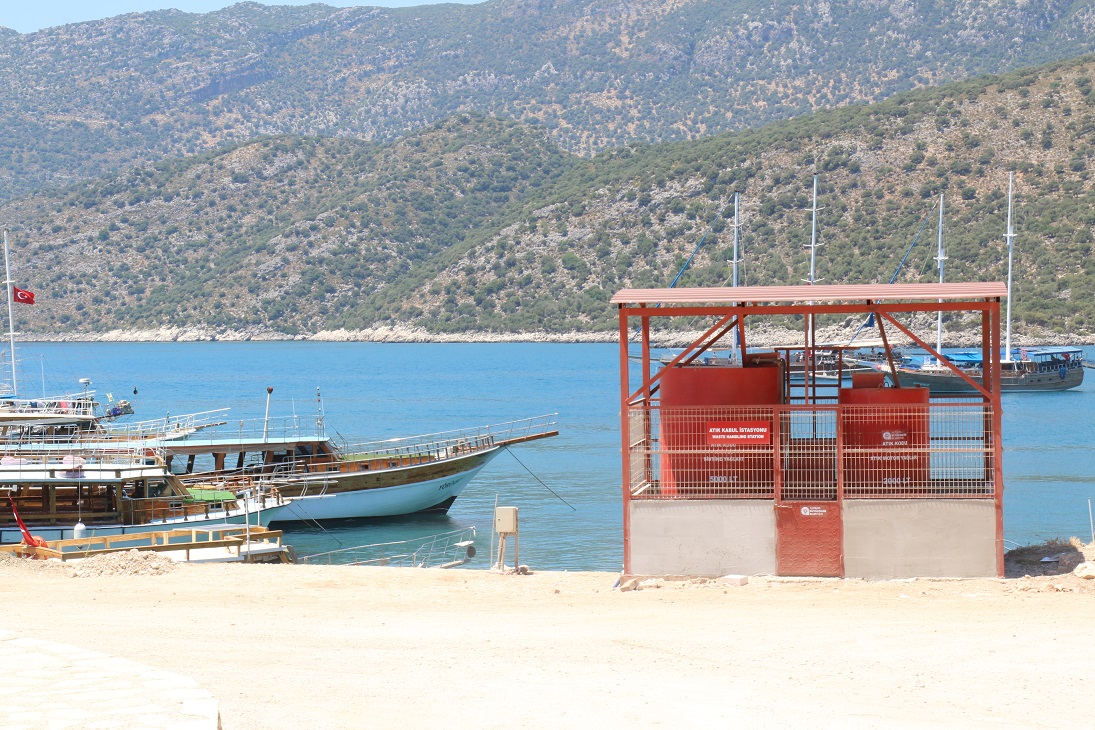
[(809, 538)]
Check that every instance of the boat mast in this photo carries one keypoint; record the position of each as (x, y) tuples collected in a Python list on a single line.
[(1010, 236), (808, 359), (11, 317), (737, 224), (813, 234), (940, 257)]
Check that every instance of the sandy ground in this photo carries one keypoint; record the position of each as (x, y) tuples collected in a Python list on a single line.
[(286, 646)]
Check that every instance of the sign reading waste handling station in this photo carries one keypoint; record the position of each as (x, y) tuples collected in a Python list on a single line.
[(723, 433)]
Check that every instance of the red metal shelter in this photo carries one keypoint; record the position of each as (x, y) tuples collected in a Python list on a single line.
[(733, 466)]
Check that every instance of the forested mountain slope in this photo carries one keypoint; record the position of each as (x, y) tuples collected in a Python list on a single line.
[(483, 224), (83, 100)]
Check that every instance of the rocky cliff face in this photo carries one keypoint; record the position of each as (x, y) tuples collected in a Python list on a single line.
[(484, 225), (83, 100)]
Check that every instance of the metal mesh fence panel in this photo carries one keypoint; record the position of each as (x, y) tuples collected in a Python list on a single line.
[(719, 452), (811, 452)]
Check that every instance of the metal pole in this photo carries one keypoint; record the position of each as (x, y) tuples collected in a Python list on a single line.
[(940, 258), (494, 521), (808, 355), (737, 223), (247, 523), (1091, 521), (1010, 237), (11, 318), (813, 234), (266, 420)]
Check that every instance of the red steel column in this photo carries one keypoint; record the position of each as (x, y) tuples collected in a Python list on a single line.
[(998, 434), (625, 437), (777, 452), (647, 407), (645, 354)]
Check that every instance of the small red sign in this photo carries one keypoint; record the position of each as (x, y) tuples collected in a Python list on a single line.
[(723, 433)]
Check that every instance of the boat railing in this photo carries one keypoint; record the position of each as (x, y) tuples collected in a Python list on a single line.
[(82, 404), (215, 424), (168, 426), (442, 550), (74, 458), (283, 475), (250, 499), (446, 444)]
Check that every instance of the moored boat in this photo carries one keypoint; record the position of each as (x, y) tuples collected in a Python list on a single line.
[(1031, 369), (49, 416), (319, 479), (400, 476), (66, 493), (1035, 369), (192, 544)]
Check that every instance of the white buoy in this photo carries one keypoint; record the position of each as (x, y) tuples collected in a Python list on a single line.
[(79, 531)]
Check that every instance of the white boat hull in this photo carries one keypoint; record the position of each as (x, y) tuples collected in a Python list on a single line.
[(404, 499)]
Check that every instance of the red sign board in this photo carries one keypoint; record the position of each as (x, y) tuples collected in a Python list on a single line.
[(724, 433)]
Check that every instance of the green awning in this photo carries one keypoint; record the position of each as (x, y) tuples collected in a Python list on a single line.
[(210, 495)]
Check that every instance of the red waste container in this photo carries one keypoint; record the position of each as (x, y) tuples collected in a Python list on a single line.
[(716, 430), (886, 440)]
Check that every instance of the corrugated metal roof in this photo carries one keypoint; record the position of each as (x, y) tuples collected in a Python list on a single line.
[(815, 293)]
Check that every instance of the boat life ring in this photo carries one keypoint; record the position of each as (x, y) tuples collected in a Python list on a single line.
[(1063, 372)]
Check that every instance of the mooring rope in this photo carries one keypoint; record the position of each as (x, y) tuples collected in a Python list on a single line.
[(568, 504)]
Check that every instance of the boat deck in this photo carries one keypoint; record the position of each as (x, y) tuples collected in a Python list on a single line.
[(194, 545)]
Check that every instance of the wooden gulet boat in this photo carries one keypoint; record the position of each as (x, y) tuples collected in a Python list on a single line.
[(401, 476), (323, 481), (1035, 369), (1031, 369), (63, 494)]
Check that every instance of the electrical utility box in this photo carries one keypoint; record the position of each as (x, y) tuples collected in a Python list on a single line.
[(505, 520)]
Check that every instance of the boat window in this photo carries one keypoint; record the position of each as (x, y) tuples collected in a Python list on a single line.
[(157, 488)]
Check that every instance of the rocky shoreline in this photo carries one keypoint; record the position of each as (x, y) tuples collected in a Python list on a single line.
[(764, 334), (377, 334)]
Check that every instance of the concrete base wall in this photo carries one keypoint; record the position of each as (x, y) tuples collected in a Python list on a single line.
[(892, 538), (703, 537)]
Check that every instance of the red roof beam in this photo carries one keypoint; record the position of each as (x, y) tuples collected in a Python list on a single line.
[(817, 293)]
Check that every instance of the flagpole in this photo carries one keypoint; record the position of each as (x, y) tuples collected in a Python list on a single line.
[(11, 316)]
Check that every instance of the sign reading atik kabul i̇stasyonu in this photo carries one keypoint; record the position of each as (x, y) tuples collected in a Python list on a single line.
[(725, 433)]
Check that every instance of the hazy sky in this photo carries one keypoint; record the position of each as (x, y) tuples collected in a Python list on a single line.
[(26, 16)]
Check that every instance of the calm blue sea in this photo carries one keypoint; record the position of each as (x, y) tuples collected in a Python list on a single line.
[(386, 390)]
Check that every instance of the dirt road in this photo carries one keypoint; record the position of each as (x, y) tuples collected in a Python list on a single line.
[(284, 646)]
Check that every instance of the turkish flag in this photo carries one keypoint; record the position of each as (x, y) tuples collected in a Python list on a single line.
[(22, 296)]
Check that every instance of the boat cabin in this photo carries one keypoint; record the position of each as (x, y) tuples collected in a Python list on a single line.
[(106, 489)]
